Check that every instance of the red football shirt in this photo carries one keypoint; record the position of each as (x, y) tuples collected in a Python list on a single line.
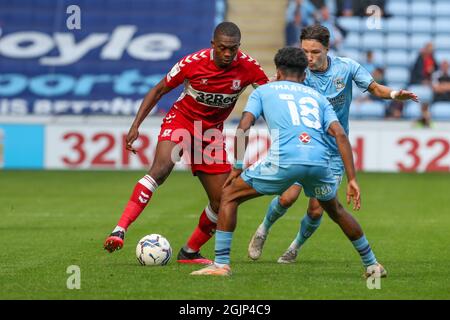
[(210, 92)]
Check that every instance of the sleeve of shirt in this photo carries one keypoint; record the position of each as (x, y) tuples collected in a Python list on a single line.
[(260, 77), (254, 104), (360, 75), (176, 76), (329, 115)]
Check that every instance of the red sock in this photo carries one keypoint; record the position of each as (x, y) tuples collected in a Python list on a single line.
[(204, 231), (141, 195)]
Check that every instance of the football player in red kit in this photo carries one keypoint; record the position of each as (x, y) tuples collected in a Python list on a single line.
[(213, 80)]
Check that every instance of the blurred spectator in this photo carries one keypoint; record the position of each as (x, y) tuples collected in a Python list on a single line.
[(370, 64), (424, 66), (328, 21), (441, 83), (421, 74), (378, 76), (357, 7), (360, 6), (344, 8), (299, 13)]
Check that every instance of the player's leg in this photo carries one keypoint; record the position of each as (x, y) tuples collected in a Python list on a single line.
[(276, 210), (142, 192), (308, 225), (313, 217), (355, 234), (190, 253), (234, 194)]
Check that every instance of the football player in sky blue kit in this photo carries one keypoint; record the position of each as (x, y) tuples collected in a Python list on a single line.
[(331, 77), (300, 121)]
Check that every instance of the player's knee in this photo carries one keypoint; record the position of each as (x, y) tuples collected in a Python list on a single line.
[(287, 199), (214, 204), (315, 211), (160, 173), (335, 211)]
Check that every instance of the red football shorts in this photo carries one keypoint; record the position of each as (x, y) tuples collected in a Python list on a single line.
[(202, 148)]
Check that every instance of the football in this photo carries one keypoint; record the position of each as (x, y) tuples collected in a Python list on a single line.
[(153, 250)]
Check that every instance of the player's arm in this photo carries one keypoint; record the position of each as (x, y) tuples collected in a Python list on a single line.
[(353, 192), (240, 145), (384, 92), (149, 102)]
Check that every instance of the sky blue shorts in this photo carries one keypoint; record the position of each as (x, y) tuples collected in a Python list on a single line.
[(337, 168), (268, 178)]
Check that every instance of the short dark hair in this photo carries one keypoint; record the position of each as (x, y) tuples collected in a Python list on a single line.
[(291, 60), (316, 32), (228, 29)]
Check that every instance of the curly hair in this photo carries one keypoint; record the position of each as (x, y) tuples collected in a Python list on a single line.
[(291, 60)]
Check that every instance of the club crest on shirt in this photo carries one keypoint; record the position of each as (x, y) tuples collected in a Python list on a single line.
[(339, 83), (304, 138), (236, 85), (204, 81)]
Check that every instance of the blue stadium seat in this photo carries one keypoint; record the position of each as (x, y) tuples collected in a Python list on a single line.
[(373, 41), (398, 8), (442, 55), (397, 41), (441, 25), (397, 85), (351, 53), (398, 58), (397, 24), (424, 25), (352, 40), (425, 93), (372, 110), (421, 9), (418, 41), (350, 24), (442, 42), (440, 111), (442, 8), (397, 74), (412, 110)]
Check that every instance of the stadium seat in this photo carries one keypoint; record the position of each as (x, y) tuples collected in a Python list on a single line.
[(350, 24), (421, 9), (412, 110), (398, 8), (424, 25), (440, 111), (351, 53), (442, 55), (418, 41), (425, 93), (397, 85), (372, 110), (352, 40), (441, 25), (442, 42), (398, 58), (397, 74), (397, 24), (397, 41), (442, 8), (373, 41)]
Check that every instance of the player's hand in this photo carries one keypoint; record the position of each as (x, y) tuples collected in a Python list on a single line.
[(132, 135), (233, 175), (354, 194), (403, 95)]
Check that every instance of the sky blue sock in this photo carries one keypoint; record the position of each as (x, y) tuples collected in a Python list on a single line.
[(223, 247), (307, 228), (275, 211), (366, 253)]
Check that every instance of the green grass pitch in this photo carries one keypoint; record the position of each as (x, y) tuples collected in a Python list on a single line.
[(51, 220)]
